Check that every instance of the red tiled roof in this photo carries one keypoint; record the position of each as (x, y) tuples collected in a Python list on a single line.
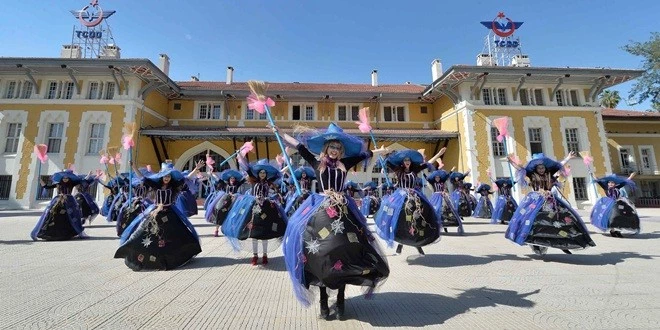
[(304, 87), (616, 113)]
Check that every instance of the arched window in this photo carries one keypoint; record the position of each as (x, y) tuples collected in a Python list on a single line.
[(203, 189)]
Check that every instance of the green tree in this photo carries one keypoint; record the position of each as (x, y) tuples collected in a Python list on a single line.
[(609, 99), (648, 85)]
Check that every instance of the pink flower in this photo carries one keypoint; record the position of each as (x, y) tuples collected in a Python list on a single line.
[(338, 265), (411, 231), (140, 257), (331, 212), (306, 210), (161, 243), (532, 206), (249, 225), (568, 219)]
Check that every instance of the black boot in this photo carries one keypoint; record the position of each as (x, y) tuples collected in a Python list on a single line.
[(567, 252), (421, 252), (399, 248), (340, 303), (325, 310)]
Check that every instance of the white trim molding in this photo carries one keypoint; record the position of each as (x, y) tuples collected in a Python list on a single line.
[(654, 165), (635, 135), (10, 164), (204, 146), (546, 130)]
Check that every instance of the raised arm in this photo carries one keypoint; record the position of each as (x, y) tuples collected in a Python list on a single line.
[(200, 163), (437, 156), (513, 163), (567, 158)]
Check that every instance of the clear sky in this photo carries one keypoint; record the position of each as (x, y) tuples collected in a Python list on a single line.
[(338, 40)]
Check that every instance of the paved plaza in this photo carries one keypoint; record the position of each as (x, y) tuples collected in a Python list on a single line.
[(475, 281)]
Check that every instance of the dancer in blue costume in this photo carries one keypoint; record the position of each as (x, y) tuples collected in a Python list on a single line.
[(186, 200), (484, 207), (544, 218), (441, 201), (305, 176), (387, 189), (88, 207), (505, 205), (406, 216), (113, 187), (327, 243), (472, 200), (256, 216), (161, 238), (61, 219), (121, 182), (460, 197), (137, 204), (370, 203), (229, 182), (352, 189), (615, 212)]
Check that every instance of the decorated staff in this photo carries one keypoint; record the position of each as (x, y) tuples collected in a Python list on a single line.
[(41, 151), (365, 127), (588, 160), (128, 143), (502, 125), (258, 102)]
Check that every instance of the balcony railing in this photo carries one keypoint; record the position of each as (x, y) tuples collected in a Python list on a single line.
[(640, 169), (647, 202)]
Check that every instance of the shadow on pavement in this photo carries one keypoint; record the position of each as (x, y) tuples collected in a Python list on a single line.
[(408, 309), (476, 233), (609, 258), (450, 260), (17, 242), (276, 263)]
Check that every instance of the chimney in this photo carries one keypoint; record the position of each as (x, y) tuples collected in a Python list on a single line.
[(374, 78), (436, 69), (230, 75), (164, 64)]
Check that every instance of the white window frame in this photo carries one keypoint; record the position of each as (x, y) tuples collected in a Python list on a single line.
[(535, 99), (406, 112), (584, 189), (653, 167), (496, 145), (16, 138), (27, 90), (349, 111), (559, 98), (631, 159), (526, 97), (539, 141), (97, 93), (52, 137), (12, 86), (303, 111), (577, 97), (500, 96), (577, 139), (486, 96), (51, 93), (252, 115), (544, 123), (100, 138), (68, 90), (109, 91), (209, 110)]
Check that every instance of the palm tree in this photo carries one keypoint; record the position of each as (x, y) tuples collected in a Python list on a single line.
[(609, 99)]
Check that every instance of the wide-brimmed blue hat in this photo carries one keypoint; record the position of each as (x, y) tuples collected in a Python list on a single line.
[(352, 145), (311, 174), (467, 185), (483, 187), (442, 174), (618, 180), (551, 165), (83, 177), (271, 171), (454, 175), (228, 174), (351, 184), (57, 177), (144, 171), (396, 158), (500, 182), (166, 169)]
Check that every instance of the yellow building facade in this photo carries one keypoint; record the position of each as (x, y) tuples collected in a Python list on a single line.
[(633, 139), (79, 106)]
